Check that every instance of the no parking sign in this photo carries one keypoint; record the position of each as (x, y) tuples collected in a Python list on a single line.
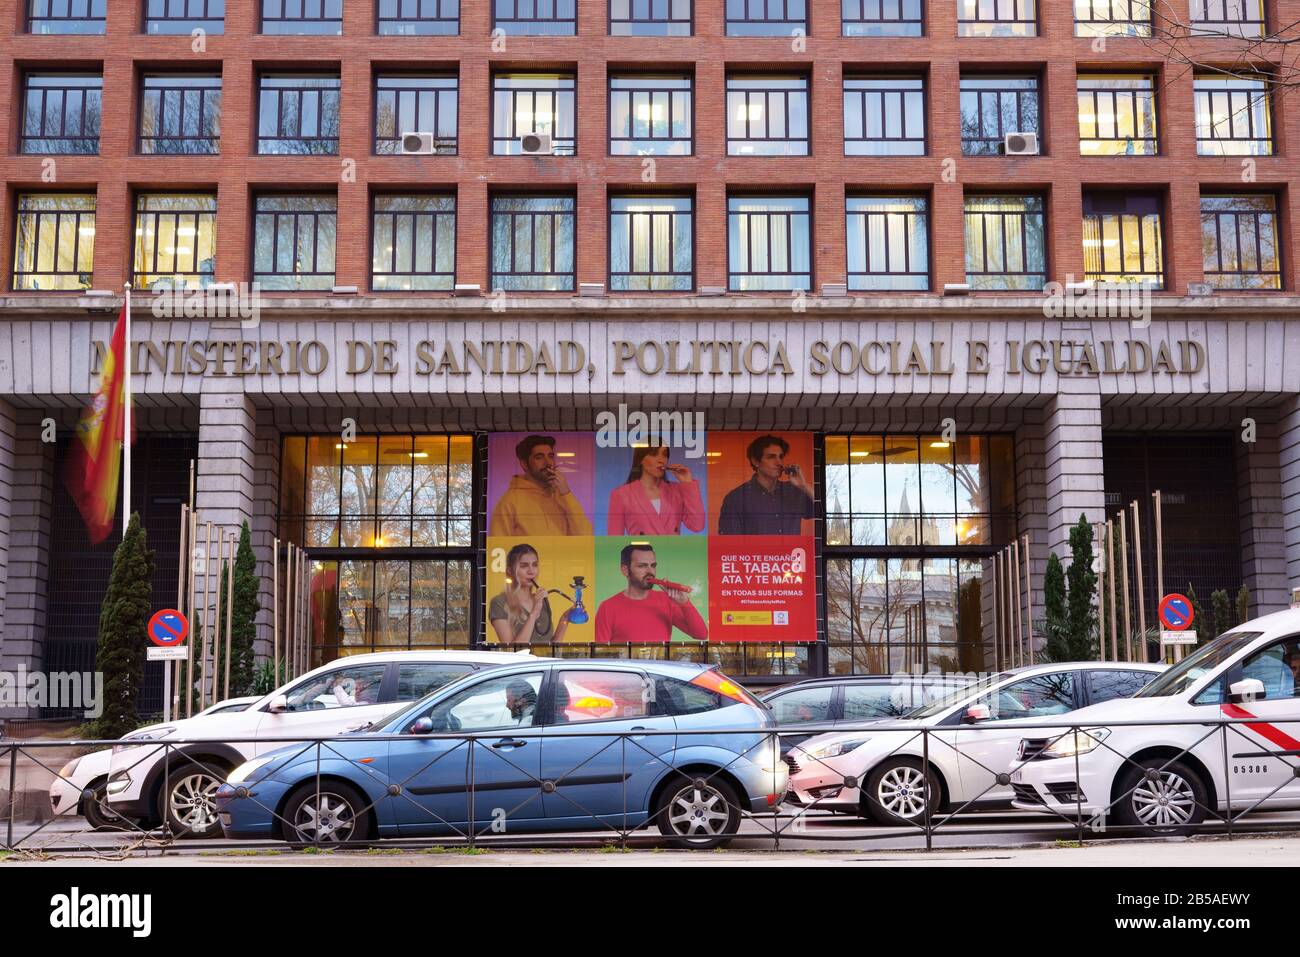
[(168, 627), (1175, 612)]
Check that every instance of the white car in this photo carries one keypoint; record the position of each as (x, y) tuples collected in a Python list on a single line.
[(971, 740), (79, 786), (336, 698), (1169, 778)]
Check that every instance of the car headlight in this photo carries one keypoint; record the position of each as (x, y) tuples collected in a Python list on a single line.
[(152, 734), (69, 769), (1075, 743), (836, 748), (242, 773)]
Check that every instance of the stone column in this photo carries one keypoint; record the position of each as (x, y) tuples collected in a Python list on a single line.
[(1288, 459), (225, 482), (1072, 464), (26, 559), (1259, 496)]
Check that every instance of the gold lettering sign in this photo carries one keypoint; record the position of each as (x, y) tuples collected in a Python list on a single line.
[(694, 358)]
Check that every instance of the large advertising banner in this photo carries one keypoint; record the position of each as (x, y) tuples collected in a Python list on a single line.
[(613, 539)]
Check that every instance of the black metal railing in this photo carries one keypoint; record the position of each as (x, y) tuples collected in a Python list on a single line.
[(487, 786)]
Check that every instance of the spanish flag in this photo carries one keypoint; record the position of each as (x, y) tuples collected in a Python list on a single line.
[(94, 462)]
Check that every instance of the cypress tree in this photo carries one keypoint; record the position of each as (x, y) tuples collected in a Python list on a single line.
[(246, 605), (1243, 604), (123, 619), (1222, 611)]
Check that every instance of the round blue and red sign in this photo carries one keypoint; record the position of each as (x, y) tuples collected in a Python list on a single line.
[(1176, 612), (168, 627)]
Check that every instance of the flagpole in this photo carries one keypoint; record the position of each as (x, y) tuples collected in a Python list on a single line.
[(126, 421)]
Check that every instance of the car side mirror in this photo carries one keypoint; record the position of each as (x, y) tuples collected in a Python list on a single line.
[(976, 712), (422, 725), (1246, 691), (279, 704)]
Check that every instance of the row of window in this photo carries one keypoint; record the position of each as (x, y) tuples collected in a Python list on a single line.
[(651, 241), (649, 114), (643, 18)]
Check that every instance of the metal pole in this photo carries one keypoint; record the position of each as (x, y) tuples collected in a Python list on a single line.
[(1101, 593), (1137, 570), (126, 412), (1029, 597), (230, 611), (207, 619), (1123, 552), (1020, 625), (193, 608), (275, 614), (289, 631), (1110, 580), (997, 611), (172, 669)]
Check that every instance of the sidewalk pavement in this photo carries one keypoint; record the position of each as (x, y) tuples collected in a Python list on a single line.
[(1206, 852)]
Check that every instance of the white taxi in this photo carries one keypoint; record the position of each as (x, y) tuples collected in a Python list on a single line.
[(1109, 767)]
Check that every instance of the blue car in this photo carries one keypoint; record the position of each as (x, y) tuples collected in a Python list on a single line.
[(550, 745)]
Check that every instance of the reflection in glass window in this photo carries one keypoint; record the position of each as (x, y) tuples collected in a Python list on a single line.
[(415, 104), (768, 243), (888, 242), (1239, 241), (767, 116), (61, 113), (650, 243), (1233, 116), (298, 113), (1006, 242), (54, 245), (175, 240), (294, 241), (535, 18), (413, 242), (886, 615), (418, 17), (905, 490), (805, 706), (533, 103), (884, 116), (997, 18), (881, 18), (1117, 115), (180, 113), (1235, 18), (650, 115), (390, 491), (1122, 239), (82, 17), (533, 243), (766, 18), (365, 604), (992, 107), (649, 18), (316, 17), (1112, 18)]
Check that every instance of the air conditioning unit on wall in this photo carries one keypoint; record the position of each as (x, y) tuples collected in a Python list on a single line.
[(536, 144), (1020, 144), (417, 144)]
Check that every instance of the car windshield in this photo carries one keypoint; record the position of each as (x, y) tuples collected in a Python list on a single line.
[(957, 696), (1198, 664)]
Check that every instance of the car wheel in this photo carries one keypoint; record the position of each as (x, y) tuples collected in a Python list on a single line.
[(335, 814), (1161, 796), (189, 801), (897, 792), (699, 813), (99, 816)]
